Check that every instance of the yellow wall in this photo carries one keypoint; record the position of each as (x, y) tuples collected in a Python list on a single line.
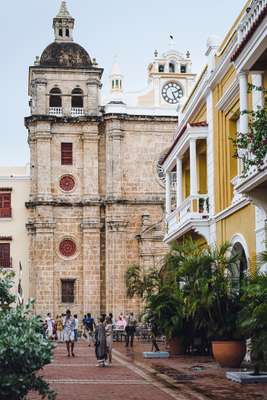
[(242, 222), (202, 166), (186, 176), (200, 114), (225, 127)]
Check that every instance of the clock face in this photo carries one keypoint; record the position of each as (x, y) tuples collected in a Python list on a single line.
[(172, 92)]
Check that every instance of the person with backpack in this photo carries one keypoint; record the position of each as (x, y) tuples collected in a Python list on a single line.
[(89, 326)]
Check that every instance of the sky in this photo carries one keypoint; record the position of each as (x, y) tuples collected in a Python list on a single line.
[(130, 29)]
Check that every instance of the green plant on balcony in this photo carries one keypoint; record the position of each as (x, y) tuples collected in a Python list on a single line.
[(251, 148)]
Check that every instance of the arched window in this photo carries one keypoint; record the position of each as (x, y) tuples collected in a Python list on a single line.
[(60, 32), (171, 67), (55, 99), (161, 68), (67, 32), (77, 98)]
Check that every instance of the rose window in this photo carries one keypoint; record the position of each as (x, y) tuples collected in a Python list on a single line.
[(67, 248), (67, 183)]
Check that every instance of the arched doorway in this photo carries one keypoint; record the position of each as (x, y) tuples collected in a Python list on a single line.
[(240, 270)]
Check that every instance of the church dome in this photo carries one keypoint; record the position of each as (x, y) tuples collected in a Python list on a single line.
[(65, 54)]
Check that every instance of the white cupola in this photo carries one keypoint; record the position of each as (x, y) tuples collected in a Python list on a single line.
[(116, 81)]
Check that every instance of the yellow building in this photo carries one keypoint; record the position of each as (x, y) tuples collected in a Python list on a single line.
[(213, 201)]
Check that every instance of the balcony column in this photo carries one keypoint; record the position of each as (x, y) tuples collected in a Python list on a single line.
[(243, 93), (179, 181), (257, 95), (193, 167), (168, 193)]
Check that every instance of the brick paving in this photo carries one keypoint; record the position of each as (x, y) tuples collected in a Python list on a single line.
[(133, 378)]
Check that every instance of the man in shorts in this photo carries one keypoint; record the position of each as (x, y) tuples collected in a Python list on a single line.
[(69, 327)]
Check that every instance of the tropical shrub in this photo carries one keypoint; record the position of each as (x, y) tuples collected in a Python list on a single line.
[(23, 349), (141, 284), (165, 309), (253, 319)]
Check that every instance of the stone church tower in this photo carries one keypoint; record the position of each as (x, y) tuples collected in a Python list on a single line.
[(96, 202)]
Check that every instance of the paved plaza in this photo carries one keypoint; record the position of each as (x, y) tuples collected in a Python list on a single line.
[(133, 378)]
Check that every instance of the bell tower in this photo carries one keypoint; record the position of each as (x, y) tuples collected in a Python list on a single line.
[(63, 135)]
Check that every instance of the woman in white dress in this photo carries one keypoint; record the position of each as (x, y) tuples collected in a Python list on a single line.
[(109, 338)]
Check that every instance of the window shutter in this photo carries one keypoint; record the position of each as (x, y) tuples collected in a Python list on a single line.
[(5, 205), (67, 294), (5, 260), (66, 154)]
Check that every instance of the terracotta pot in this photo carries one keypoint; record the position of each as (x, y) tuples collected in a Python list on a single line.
[(229, 353), (176, 346)]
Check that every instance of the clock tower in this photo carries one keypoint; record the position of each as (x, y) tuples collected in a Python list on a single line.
[(171, 76)]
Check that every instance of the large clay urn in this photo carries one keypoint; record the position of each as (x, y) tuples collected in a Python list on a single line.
[(229, 353)]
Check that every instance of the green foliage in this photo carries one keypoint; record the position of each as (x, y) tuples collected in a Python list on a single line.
[(204, 273), (6, 298), (253, 318), (23, 349), (196, 291), (252, 148), (262, 258), (140, 283), (165, 310)]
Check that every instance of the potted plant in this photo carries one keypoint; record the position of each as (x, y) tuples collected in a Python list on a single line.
[(228, 344), (211, 302)]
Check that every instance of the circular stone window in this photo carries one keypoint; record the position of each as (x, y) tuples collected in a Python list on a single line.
[(67, 248), (67, 183)]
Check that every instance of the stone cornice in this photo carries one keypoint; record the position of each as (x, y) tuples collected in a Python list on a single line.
[(131, 117), (44, 227), (101, 202), (64, 119)]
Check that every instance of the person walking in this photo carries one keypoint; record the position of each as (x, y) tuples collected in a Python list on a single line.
[(76, 327), (130, 329), (49, 323), (100, 343), (89, 326), (69, 326), (109, 338), (59, 328)]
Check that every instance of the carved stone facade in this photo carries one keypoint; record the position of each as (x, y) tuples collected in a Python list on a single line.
[(89, 228)]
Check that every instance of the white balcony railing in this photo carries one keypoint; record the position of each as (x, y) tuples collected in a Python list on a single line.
[(253, 13), (56, 111), (193, 208), (255, 173), (77, 111)]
